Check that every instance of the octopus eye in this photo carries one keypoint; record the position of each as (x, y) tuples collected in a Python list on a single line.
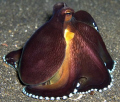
[(68, 12), (68, 15)]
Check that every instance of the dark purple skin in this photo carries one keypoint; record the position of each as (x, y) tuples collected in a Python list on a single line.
[(42, 55)]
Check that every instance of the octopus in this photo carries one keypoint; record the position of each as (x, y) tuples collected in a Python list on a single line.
[(63, 57)]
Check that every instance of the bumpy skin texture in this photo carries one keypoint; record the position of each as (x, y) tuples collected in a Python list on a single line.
[(82, 58)]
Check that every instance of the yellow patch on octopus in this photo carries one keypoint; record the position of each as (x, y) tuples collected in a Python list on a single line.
[(68, 35)]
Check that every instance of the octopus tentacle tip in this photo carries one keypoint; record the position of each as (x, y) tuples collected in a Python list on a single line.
[(15, 63)]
